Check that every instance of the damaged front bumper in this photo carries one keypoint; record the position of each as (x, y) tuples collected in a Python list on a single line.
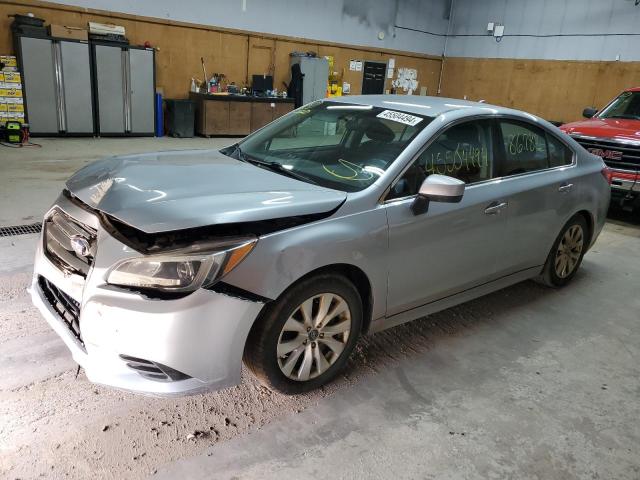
[(129, 341)]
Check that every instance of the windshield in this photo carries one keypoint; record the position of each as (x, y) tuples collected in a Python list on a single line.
[(627, 105), (336, 145)]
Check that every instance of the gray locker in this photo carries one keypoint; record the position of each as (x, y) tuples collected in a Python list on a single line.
[(316, 77), (57, 86), (76, 86), (125, 90), (110, 88), (142, 91)]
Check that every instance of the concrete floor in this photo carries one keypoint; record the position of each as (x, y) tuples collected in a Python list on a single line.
[(526, 383), (33, 177)]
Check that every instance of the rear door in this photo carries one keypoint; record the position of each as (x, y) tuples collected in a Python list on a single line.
[(539, 184)]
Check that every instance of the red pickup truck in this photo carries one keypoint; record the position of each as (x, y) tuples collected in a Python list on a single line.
[(613, 133)]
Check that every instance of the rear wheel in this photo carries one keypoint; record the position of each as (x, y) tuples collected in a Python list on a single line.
[(566, 254), (305, 337)]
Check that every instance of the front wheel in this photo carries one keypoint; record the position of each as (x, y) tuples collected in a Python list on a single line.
[(306, 336), (566, 254)]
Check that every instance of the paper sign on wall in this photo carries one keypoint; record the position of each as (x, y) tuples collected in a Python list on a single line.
[(358, 65), (352, 65), (407, 79), (391, 63), (389, 72)]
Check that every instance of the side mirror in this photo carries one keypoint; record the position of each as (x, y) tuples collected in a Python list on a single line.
[(589, 112), (437, 188)]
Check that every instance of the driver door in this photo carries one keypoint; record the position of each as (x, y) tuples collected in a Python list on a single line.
[(453, 246)]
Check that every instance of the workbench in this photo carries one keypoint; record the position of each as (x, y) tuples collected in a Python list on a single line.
[(236, 115)]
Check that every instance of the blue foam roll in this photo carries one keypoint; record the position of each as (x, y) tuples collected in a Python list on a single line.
[(159, 116)]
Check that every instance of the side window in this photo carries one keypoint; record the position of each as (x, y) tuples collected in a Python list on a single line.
[(525, 148), (464, 151), (559, 153)]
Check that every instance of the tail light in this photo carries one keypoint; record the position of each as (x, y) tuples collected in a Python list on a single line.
[(607, 173)]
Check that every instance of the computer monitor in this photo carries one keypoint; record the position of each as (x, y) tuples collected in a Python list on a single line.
[(262, 83)]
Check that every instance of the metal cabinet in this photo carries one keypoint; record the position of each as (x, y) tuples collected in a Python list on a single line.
[(316, 77), (57, 85), (124, 90)]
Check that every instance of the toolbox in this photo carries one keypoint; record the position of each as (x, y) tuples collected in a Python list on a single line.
[(74, 33)]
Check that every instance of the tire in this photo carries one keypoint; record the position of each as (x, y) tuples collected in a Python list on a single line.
[(286, 328), (567, 252)]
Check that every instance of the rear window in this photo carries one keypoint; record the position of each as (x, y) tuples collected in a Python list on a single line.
[(559, 153)]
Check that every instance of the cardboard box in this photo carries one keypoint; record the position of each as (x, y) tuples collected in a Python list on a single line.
[(9, 62), (14, 108), (11, 77), (62, 31), (11, 92)]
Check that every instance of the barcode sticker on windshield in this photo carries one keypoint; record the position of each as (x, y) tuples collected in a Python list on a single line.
[(400, 117)]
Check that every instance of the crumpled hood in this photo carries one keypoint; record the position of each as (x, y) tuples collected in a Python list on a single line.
[(157, 192), (614, 128)]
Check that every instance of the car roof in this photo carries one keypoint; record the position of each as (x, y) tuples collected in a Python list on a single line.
[(423, 105)]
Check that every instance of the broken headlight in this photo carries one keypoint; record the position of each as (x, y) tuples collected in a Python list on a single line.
[(179, 271)]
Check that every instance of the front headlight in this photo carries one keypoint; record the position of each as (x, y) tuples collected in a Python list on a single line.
[(179, 271)]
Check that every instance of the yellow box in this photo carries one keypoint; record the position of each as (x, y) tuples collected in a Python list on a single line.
[(9, 60), (11, 92), (3, 107), (15, 107), (12, 77), (15, 117), (1, 77)]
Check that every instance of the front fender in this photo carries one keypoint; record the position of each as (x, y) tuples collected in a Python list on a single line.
[(280, 259)]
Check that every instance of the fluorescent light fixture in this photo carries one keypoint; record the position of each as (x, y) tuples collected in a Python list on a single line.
[(415, 105), (455, 105), (349, 107)]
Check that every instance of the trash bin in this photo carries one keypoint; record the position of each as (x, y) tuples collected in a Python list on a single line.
[(180, 118)]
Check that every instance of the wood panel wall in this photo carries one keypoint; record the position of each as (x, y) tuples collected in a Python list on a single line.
[(235, 53), (553, 89)]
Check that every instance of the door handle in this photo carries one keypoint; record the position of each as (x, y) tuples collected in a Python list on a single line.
[(495, 208), (565, 187)]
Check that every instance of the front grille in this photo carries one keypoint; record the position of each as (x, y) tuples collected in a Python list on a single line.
[(61, 234), (153, 370), (623, 156), (64, 305)]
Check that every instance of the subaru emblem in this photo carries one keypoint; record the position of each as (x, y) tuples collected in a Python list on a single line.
[(80, 245)]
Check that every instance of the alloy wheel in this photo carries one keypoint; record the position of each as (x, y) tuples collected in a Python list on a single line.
[(314, 336), (569, 251)]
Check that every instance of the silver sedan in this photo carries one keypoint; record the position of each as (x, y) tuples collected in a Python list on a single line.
[(163, 272)]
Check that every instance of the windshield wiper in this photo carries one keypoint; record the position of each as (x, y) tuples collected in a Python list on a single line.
[(273, 166), (279, 168)]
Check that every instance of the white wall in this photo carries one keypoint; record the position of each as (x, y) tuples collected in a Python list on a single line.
[(356, 22), (547, 17)]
